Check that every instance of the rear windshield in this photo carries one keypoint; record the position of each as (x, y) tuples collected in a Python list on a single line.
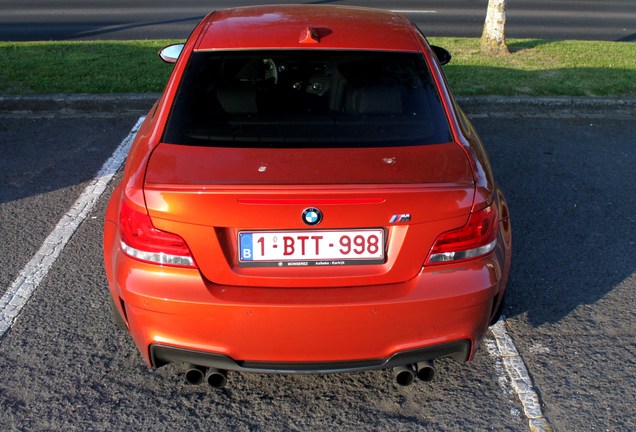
[(308, 98)]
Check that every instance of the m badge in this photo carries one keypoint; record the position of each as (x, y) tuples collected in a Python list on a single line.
[(402, 217)]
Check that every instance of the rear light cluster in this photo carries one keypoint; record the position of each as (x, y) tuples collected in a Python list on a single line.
[(141, 240), (478, 237)]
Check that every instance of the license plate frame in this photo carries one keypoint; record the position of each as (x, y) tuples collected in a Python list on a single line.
[(311, 248)]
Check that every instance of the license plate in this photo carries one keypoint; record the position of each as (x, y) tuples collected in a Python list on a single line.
[(311, 248)]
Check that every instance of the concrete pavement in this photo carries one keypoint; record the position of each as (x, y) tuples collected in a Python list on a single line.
[(569, 312)]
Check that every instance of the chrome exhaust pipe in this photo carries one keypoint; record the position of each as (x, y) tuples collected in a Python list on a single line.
[(426, 371), (404, 375), (216, 378), (195, 374)]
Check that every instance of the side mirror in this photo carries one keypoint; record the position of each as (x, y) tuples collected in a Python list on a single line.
[(442, 55), (171, 53)]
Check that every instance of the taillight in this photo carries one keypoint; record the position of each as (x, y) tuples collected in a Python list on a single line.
[(478, 237), (141, 240)]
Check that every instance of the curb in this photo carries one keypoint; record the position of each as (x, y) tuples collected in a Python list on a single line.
[(557, 107), (77, 103), (474, 106)]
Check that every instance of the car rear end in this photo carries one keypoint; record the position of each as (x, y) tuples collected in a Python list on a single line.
[(306, 210)]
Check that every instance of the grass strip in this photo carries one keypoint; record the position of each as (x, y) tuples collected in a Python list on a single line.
[(82, 67), (534, 68), (538, 67)]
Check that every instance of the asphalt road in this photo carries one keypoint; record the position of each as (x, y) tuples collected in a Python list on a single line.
[(570, 311), (144, 19)]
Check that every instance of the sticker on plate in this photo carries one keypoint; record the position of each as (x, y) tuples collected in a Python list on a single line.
[(311, 248)]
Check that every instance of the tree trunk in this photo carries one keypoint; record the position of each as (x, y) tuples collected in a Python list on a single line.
[(493, 38)]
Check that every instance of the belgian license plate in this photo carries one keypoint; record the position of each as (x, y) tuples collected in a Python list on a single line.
[(311, 248)]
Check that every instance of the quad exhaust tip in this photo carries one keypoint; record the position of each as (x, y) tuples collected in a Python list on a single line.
[(215, 378), (426, 371), (405, 375), (195, 374)]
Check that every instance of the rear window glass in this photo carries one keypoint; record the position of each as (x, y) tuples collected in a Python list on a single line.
[(308, 98)]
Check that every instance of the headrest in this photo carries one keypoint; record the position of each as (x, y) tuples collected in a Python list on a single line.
[(377, 101), (237, 100)]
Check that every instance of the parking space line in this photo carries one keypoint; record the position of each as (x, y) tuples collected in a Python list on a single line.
[(13, 301), (35, 271), (506, 352), (414, 11)]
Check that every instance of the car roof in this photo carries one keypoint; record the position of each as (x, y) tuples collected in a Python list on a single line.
[(307, 26)]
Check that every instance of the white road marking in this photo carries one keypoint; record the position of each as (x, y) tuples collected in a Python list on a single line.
[(413, 11), (505, 351), (35, 271), (30, 277)]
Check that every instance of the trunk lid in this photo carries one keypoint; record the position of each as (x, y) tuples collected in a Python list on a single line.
[(209, 195)]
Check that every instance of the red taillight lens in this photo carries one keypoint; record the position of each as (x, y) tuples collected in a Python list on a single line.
[(478, 237), (141, 240)]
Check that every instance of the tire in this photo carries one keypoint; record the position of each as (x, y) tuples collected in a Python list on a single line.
[(117, 318), (499, 310)]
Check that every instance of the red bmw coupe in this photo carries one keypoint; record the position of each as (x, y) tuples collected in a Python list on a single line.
[(306, 197)]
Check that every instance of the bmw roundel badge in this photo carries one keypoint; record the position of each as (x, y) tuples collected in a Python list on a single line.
[(312, 216)]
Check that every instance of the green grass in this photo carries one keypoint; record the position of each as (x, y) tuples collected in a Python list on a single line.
[(82, 67), (542, 68), (535, 68)]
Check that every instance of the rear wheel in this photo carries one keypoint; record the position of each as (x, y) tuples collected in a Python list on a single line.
[(117, 319), (499, 310)]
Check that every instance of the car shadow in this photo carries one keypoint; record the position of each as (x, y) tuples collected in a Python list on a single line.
[(569, 184), (45, 165), (44, 155)]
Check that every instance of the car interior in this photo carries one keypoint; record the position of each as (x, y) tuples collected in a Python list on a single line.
[(298, 97)]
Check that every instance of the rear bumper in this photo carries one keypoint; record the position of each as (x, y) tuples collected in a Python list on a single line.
[(175, 315), (161, 355)]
